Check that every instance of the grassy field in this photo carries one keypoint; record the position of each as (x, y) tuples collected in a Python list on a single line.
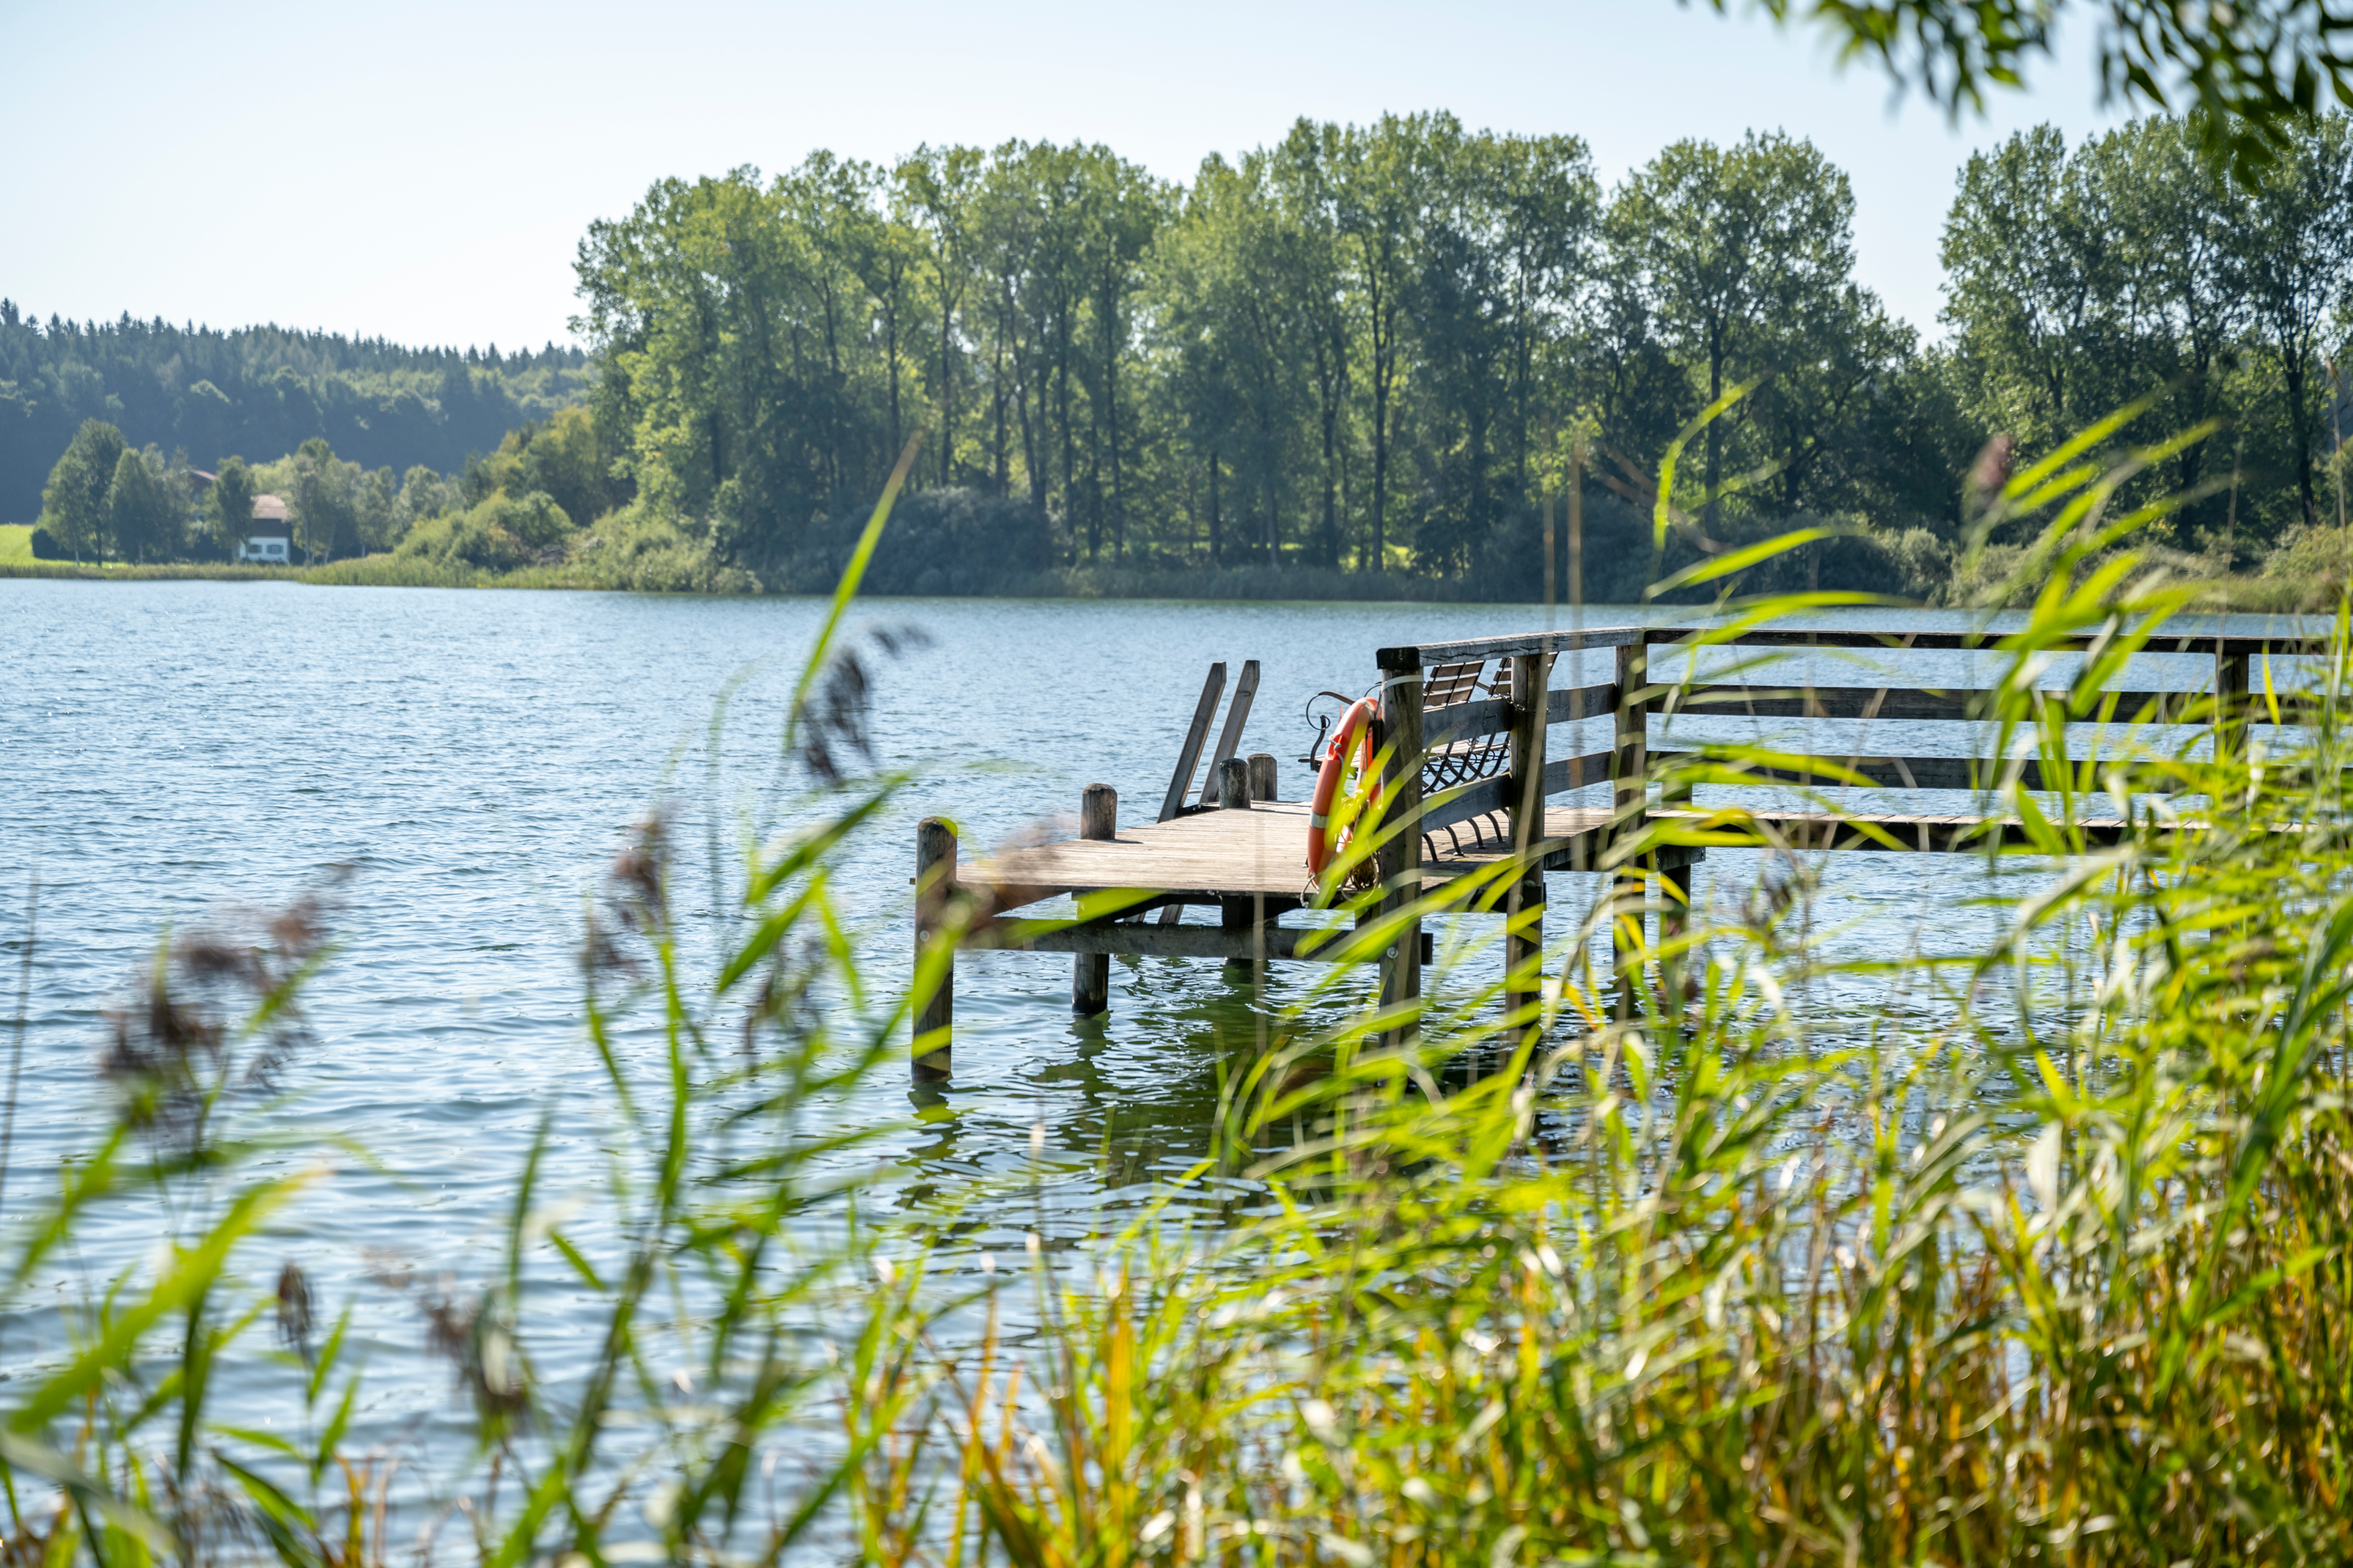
[(15, 543)]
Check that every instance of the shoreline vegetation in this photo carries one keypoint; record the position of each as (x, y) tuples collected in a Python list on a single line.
[(2308, 580)]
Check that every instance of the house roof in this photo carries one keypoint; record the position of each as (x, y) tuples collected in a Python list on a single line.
[(269, 508)]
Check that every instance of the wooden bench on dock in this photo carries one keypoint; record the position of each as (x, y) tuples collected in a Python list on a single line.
[(1467, 790)]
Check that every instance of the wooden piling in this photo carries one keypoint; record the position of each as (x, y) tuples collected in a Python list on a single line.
[(1091, 971), (2230, 682), (1399, 859), (1629, 794), (1261, 776), (1241, 918), (1524, 905), (1234, 784), (935, 876), (1523, 970)]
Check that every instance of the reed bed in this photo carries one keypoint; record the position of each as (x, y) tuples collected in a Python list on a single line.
[(2043, 1260)]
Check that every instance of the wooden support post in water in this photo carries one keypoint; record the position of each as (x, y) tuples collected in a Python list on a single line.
[(1399, 859), (1674, 907), (1091, 971), (1523, 954), (935, 876), (1630, 779), (1674, 920), (1238, 914), (1242, 916), (1261, 776), (1524, 905), (2229, 702)]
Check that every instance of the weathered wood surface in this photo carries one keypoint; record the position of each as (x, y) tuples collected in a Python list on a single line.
[(1419, 655), (1972, 773), (1990, 642), (1797, 701), (935, 877), (1196, 734), (1230, 735), (1262, 851), (1862, 830), (1459, 721), (1091, 973), (1284, 943)]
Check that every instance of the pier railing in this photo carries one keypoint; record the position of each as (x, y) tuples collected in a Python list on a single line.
[(1450, 817)]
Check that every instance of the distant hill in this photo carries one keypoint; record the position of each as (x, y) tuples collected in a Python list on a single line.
[(258, 393)]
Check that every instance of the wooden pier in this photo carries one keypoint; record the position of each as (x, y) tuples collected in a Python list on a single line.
[(1466, 791)]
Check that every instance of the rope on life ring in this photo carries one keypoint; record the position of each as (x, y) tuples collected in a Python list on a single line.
[(1354, 734)]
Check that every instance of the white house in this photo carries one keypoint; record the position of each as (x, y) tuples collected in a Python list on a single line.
[(268, 540)]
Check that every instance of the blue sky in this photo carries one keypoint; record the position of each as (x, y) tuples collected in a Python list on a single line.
[(423, 172)]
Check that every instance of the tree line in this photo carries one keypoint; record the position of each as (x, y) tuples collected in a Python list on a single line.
[(1379, 346), (106, 499), (258, 390)]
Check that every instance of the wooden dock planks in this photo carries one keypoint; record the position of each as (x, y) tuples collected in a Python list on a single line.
[(1258, 853)]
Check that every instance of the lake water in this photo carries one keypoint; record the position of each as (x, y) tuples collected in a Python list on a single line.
[(168, 748)]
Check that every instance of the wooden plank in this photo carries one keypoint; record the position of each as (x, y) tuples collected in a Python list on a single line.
[(1189, 756), (1466, 801), (1927, 833), (1900, 772), (1493, 715), (1207, 856), (1708, 701), (1989, 641), (1234, 944), (1576, 773), (1420, 655), (1568, 704), (1465, 722), (1230, 738)]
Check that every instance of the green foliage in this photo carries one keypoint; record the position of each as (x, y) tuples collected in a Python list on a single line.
[(1358, 336), (498, 534), (2254, 70), (2132, 268), (260, 389), (73, 503), (336, 509), (568, 457), (147, 507), (229, 505)]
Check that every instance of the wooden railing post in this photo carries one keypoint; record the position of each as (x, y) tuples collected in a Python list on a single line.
[(2229, 702), (1524, 907), (1629, 797), (1091, 971), (1400, 854), (935, 877), (1262, 781)]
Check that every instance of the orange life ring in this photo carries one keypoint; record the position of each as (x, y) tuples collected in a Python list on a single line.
[(1354, 734)]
